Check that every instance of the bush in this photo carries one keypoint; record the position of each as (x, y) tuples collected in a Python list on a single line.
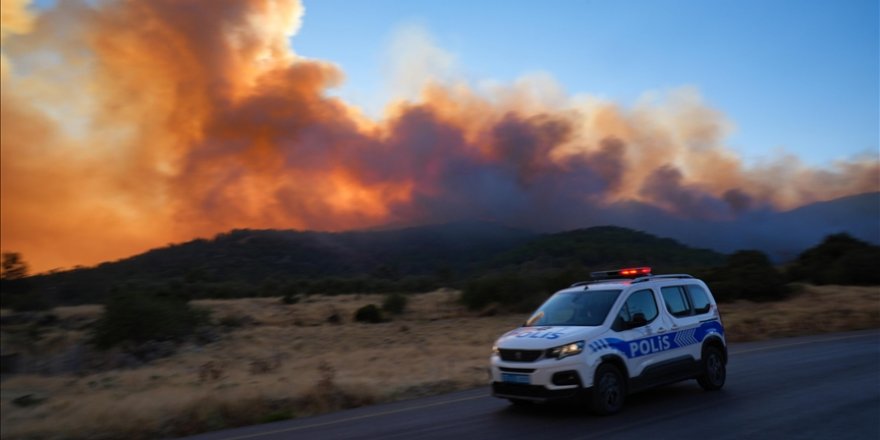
[(518, 294), (235, 321), (839, 259), (20, 295), (32, 301), (140, 317), (394, 303), (369, 314), (748, 275)]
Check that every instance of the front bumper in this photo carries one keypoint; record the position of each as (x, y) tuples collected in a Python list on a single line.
[(548, 379), (538, 393)]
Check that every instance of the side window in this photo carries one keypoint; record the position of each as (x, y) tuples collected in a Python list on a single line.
[(638, 310), (676, 302), (699, 298)]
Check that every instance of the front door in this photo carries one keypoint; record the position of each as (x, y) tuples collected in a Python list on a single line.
[(643, 331)]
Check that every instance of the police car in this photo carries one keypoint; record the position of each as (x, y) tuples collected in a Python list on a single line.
[(601, 340)]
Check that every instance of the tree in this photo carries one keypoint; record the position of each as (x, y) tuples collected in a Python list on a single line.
[(13, 266), (839, 259), (369, 314), (749, 275), (18, 292), (394, 303), (137, 317)]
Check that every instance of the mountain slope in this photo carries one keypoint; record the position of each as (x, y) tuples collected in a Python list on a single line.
[(249, 262), (239, 262), (606, 247), (782, 235), (234, 263)]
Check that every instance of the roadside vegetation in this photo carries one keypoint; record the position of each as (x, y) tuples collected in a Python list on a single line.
[(744, 275)]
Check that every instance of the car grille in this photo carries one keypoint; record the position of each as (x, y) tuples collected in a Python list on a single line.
[(520, 355), (536, 392), (517, 370)]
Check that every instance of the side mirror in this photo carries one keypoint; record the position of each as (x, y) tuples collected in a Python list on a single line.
[(638, 320)]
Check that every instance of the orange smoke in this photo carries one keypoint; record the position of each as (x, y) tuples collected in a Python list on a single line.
[(136, 123)]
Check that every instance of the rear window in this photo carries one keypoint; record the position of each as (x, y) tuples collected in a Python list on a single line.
[(580, 308), (676, 301), (699, 298)]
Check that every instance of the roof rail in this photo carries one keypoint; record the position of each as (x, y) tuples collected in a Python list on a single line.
[(655, 277), (607, 280)]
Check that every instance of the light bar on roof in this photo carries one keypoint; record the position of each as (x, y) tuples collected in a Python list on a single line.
[(629, 272)]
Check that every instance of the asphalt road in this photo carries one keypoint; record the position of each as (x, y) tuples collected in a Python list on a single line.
[(816, 387)]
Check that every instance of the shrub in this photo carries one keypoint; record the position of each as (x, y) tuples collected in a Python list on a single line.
[(369, 314), (334, 317), (26, 302), (233, 320), (518, 294), (839, 259), (140, 317), (278, 415), (21, 295), (394, 303), (748, 275)]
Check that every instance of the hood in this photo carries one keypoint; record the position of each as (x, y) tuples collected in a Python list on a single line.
[(540, 338)]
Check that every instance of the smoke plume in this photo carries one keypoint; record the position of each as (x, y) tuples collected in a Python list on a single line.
[(130, 124)]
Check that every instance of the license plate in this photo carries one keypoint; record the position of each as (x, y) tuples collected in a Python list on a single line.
[(515, 378)]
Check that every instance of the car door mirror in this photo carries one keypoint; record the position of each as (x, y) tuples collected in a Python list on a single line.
[(638, 320), (619, 324)]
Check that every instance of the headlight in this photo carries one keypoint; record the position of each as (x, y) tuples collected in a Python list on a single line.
[(495, 350), (567, 350)]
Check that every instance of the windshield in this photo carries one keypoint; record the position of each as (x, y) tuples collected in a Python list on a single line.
[(580, 308)]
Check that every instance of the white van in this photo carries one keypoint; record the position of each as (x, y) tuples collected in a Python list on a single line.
[(604, 339)]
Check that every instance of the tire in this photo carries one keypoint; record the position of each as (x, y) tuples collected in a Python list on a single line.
[(609, 390), (714, 371)]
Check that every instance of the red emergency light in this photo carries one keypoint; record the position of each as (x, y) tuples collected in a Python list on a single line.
[(629, 272)]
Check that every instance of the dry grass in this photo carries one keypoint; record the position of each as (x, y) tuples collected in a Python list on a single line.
[(281, 361), (815, 309)]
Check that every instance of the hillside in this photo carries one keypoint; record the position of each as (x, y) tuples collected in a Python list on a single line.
[(782, 235), (262, 262), (254, 255), (606, 247), (271, 262)]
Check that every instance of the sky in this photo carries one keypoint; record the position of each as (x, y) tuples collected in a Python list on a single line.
[(129, 125), (801, 76)]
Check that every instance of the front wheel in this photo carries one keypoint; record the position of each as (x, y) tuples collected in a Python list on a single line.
[(714, 372), (609, 390)]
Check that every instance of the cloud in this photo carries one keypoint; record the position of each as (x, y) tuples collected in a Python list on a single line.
[(413, 59)]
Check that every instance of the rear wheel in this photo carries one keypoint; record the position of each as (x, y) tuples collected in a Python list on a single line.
[(714, 371), (609, 390)]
